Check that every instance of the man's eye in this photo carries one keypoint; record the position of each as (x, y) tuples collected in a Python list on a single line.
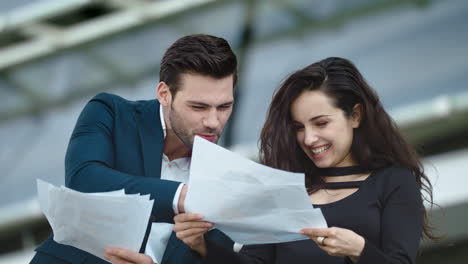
[(196, 107), (224, 107)]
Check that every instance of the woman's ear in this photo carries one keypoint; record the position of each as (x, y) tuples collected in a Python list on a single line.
[(356, 115)]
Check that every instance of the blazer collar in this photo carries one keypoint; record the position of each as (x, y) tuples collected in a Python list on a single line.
[(172, 245), (176, 245), (151, 137)]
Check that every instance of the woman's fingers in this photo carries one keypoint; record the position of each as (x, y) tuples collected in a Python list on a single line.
[(319, 232), (325, 238), (336, 241)]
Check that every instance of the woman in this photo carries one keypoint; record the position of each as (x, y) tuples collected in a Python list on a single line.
[(326, 121)]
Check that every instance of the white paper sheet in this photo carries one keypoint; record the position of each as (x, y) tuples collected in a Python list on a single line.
[(94, 221), (250, 202)]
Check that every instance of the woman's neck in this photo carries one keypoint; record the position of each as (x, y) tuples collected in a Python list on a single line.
[(343, 174)]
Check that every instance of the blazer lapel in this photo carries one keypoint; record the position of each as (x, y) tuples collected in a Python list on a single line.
[(176, 245), (151, 137), (172, 245)]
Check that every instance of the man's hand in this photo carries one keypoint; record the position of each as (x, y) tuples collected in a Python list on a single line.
[(125, 256), (190, 229), (180, 204)]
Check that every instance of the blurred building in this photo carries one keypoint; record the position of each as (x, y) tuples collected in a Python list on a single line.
[(56, 54)]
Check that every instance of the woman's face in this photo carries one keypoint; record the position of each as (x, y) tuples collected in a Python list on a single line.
[(323, 131)]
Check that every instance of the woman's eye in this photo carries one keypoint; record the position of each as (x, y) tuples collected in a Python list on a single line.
[(298, 128), (322, 124)]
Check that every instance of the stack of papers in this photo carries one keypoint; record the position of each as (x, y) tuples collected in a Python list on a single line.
[(95, 221), (250, 202)]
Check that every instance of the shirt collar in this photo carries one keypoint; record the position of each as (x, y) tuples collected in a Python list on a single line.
[(163, 123)]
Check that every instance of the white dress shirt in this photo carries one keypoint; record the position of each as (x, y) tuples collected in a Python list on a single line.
[(175, 170)]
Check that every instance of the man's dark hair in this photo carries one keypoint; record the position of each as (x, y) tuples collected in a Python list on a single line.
[(198, 54)]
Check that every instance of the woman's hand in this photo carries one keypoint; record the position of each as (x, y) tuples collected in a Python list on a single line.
[(337, 241), (125, 256), (190, 229)]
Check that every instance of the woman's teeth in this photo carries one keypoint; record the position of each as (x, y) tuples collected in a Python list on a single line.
[(320, 150)]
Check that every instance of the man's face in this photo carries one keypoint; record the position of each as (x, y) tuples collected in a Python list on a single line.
[(201, 107)]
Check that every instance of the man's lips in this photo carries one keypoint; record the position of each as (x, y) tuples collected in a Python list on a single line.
[(211, 138)]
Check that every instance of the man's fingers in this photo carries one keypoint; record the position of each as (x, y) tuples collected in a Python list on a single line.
[(121, 256), (189, 225), (187, 217), (193, 232), (121, 253), (116, 260)]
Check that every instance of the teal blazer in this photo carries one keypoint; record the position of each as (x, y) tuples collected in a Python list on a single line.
[(118, 144)]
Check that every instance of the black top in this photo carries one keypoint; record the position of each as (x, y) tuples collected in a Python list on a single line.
[(386, 211)]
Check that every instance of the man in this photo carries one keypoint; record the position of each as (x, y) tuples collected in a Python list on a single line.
[(145, 146)]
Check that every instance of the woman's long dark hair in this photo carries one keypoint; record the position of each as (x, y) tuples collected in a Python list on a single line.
[(377, 142)]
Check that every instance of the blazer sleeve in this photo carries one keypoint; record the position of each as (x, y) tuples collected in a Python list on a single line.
[(251, 254), (401, 222), (89, 161)]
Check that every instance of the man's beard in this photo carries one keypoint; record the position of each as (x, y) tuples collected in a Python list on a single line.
[(180, 130)]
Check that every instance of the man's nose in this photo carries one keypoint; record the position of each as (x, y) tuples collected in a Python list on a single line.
[(211, 119)]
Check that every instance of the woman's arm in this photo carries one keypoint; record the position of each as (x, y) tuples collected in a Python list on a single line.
[(401, 227), (401, 222)]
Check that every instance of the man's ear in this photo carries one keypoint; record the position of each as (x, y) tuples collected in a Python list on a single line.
[(163, 94), (357, 115)]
